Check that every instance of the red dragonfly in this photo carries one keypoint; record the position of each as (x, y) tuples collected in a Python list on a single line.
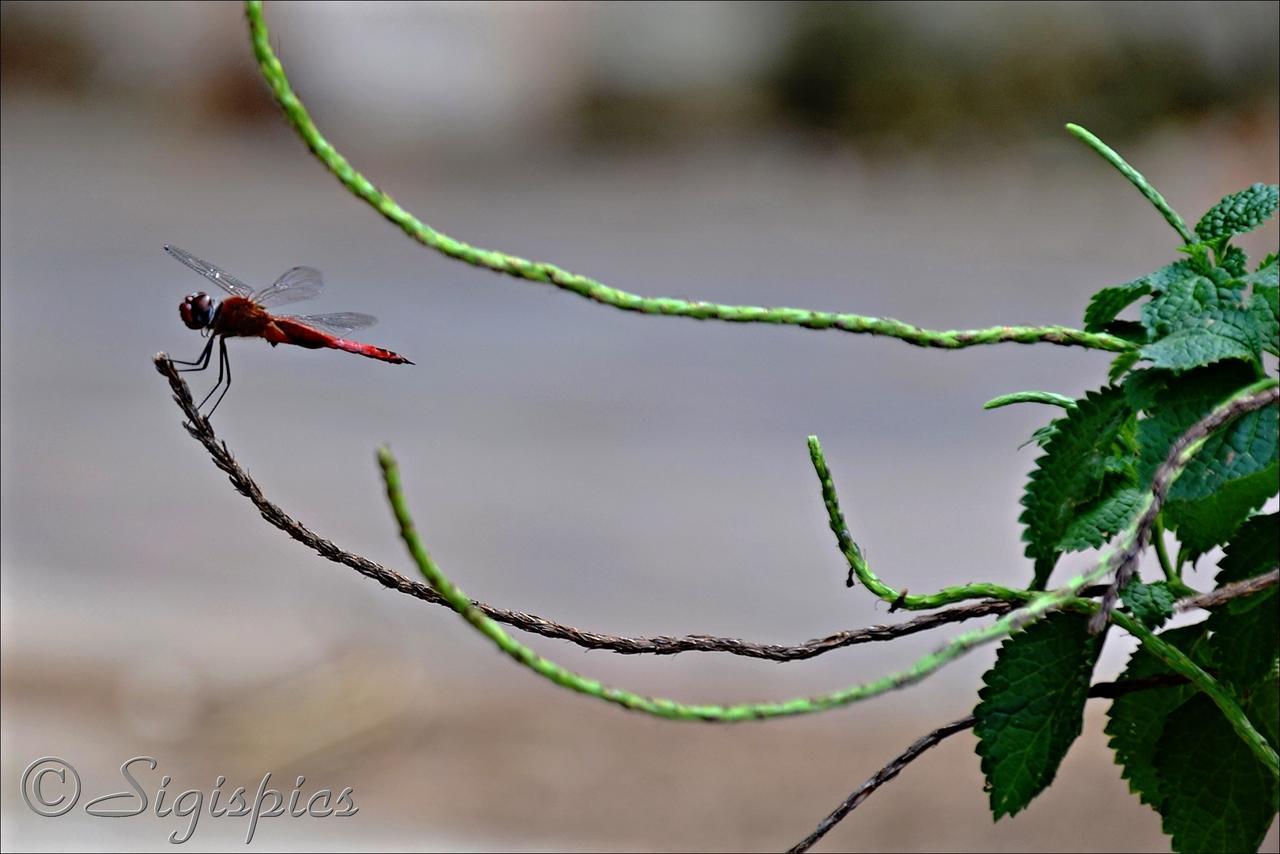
[(244, 314)]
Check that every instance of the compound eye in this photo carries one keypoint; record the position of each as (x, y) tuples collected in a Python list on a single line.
[(196, 310)]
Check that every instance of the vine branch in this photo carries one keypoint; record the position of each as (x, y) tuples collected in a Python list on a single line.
[(202, 431), (536, 271), (1116, 561)]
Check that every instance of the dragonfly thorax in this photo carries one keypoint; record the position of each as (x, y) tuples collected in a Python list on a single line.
[(197, 310)]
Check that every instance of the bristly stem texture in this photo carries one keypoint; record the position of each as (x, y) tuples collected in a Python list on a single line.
[(537, 271), (1137, 179), (1115, 561)]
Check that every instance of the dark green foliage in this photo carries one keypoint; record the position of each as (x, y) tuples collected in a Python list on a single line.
[(1109, 302), (1246, 633), (1238, 212), (1214, 793), (1032, 706), (1176, 749), (1197, 321), (1136, 721), (1076, 495), (1234, 473), (1150, 603), (1205, 323)]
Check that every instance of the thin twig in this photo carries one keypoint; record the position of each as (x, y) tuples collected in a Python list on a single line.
[(920, 745), (202, 431), (1227, 592), (1254, 397), (1115, 561)]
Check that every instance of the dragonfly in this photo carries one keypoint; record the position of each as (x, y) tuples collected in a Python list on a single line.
[(243, 314)]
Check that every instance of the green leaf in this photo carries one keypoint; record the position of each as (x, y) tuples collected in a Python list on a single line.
[(1032, 707), (1122, 363), (1107, 303), (1210, 521), (1136, 721), (1246, 632), (1254, 549), (1239, 212), (1042, 435), (1265, 309), (1197, 322), (1214, 793), (1100, 522), (1236, 469), (1078, 468), (1150, 603), (1234, 261), (1263, 710)]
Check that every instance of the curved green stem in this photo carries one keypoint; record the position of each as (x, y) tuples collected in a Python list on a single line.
[(859, 569), (1172, 572), (536, 271), (1178, 661), (671, 709), (1121, 553), (1137, 179)]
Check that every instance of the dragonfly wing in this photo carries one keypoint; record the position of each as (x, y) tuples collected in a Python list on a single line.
[(219, 277), (294, 285), (340, 324)]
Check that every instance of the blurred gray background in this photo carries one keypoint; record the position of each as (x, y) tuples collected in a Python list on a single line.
[(617, 472)]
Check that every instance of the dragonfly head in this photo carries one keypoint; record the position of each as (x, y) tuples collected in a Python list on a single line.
[(197, 310)]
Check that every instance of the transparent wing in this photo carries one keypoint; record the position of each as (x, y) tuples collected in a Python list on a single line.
[(339, 324), (294, 285), (219, 277)]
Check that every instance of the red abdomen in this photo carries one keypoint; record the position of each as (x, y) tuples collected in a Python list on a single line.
[(282, 330)]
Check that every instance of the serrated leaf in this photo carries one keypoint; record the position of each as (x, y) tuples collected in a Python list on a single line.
[(1254, 549), (1097, 524), (1191, 348), (1214, 793), (1032, 707), (1265, 311), (1210, 521), (1239, 212), (1234, 261), (1075, 471), (1246, 632), (1107, 303), (1236, 469), (1121, 364), (1198, 321), (1136, 721), (1150, 603), (1042, 435)]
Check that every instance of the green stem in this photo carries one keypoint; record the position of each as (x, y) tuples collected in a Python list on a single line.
[(859, 569), (1137, 179), (671, 709), (536, 271), (1123, 549), (1181, 663), (1172, 573)]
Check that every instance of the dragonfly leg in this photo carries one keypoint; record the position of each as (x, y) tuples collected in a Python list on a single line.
[(223, 362), (221, 355), (200, 363)]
